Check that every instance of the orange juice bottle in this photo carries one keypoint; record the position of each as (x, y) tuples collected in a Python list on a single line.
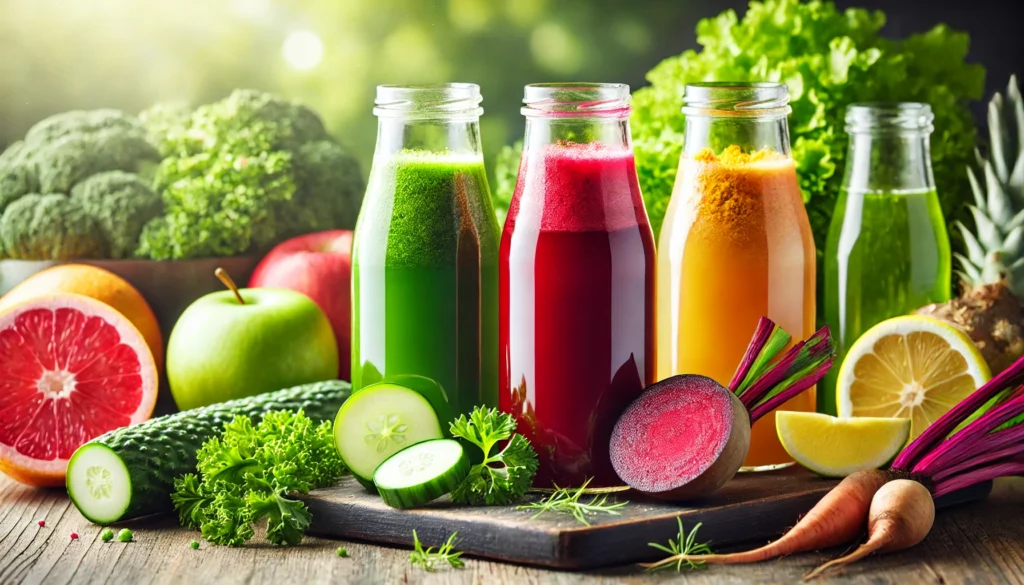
[(736, 243)]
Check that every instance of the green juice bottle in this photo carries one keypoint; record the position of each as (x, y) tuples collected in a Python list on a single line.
[(425, 256), (888, 249)]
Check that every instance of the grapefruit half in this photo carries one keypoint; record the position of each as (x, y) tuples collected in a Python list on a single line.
[(71, 369)]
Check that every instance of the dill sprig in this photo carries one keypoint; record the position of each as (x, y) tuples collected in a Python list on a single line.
[(567, 501), (681, 551), (428, 560)]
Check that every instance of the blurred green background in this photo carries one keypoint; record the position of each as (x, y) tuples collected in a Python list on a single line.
[(57, 55)]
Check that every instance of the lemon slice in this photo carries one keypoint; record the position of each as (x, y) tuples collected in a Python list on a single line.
[(909, 367), (837, 447)]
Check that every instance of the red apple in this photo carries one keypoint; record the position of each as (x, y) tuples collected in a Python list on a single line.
[(319, 266)]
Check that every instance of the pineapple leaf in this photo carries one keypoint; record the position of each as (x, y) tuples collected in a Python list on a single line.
[(1013, 245), (987, 232), (970, 272), (996, 137), (1018, 220), (999, 206), (976, 190), (975, 253), (1016, 181)]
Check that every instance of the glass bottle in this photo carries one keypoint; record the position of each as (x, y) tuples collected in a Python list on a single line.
[(736, 244), (888, 251), (425, 255), (576, 281)]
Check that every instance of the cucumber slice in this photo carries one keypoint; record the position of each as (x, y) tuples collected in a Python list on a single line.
[(103, 491), (419, 474), (377, 422), (432, 391)]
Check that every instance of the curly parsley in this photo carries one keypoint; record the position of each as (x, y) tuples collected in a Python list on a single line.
[(503, 476)]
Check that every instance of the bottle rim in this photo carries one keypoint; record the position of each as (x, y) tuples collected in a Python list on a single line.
[(739, 99), (439, 100), (874, 117), (576, 100)]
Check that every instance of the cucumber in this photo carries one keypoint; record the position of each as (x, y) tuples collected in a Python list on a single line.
[(432, 391), (377, 422), (421, 473), (130, 472)]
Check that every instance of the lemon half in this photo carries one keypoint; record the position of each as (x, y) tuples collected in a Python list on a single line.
[(909, 367), (837, 447)]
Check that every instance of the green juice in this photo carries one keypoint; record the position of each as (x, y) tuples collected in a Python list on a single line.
[(887, 254), (424, 277)]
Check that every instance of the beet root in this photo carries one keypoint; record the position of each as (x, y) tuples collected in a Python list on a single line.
[(684, 437)]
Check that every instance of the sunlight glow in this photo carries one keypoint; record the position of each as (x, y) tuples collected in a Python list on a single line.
[(303, 49)]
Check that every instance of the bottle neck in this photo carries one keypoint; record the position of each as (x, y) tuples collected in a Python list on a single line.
[(608, 131), (749, 133), (457, 135), (889, 161)]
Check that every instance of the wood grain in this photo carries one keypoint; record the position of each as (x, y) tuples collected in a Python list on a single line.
[(980, 543)]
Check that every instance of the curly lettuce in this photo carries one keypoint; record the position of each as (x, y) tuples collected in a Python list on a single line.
[(828, 59)]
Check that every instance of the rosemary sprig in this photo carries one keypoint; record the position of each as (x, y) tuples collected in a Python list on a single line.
[(680, 551), (428, 560), (567, 501)]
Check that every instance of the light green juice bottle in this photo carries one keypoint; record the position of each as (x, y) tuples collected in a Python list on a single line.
[(888, 250)]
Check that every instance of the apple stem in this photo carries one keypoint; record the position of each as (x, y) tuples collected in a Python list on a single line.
[(228, 282)]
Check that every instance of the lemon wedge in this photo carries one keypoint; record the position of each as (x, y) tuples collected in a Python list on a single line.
[(909, 367), (837, 447)]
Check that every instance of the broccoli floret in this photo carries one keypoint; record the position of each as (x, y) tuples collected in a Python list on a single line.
[(245, 173), (330, 184), (17, 177), (50, 227), (58, 155), (122, 203)]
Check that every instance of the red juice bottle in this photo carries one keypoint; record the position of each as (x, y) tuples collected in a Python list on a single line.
[(576, 281)]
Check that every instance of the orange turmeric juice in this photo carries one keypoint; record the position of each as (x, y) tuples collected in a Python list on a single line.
[(736, 245)]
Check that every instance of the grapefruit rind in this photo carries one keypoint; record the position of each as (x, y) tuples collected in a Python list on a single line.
[(51, 472)]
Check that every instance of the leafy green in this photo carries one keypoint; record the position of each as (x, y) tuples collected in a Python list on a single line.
[(246, 476), (503, 476), (428, 560), (244, 173), (829, 59)]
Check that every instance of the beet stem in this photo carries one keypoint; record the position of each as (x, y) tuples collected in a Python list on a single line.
[(799, 369), (1012, 467), (769, 339), (978, 437), (988, 458), (938, 431)]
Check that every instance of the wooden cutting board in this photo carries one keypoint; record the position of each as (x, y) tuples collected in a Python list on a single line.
[(751, 508)]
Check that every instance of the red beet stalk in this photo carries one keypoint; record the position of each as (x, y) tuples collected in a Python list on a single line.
[(761, 385), (990, 446)]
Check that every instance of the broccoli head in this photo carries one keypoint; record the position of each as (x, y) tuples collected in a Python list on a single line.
[(57, 156), (53, 227), (122, 203), (244, 173)]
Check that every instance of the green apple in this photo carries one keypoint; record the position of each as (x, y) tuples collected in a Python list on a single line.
[(222, 349)]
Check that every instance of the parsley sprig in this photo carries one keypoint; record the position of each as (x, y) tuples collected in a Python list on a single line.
[(503, 476), (428, 559), (247, 474)]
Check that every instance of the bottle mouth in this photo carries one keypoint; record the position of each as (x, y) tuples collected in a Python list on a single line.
[(889, 117), (576, 100), (443, 100), (736, 99)]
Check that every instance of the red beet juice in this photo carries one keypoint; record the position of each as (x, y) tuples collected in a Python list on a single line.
[(576, 305)]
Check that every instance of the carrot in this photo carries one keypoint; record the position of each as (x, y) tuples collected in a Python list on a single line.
[(901, 515), (838, 518)]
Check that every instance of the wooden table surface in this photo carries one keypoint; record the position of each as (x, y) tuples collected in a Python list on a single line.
[(974, 544)]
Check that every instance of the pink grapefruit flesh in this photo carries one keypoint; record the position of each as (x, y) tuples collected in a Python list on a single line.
[(71, 369), (682, 438)]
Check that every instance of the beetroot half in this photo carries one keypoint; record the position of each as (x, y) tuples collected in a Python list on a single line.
[(687, 435)]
